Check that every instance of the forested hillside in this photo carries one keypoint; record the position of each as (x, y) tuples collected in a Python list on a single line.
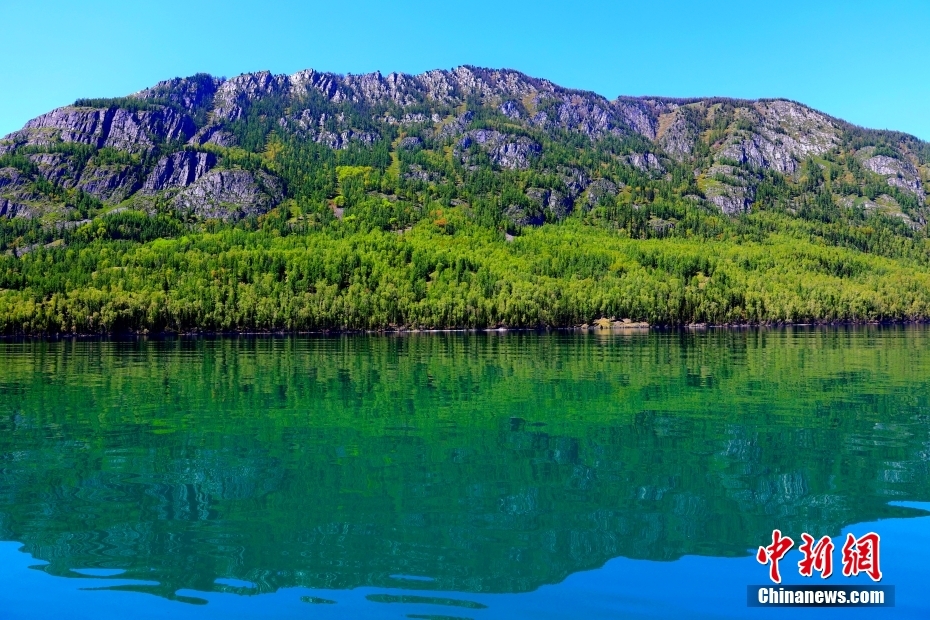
[(463, 198)]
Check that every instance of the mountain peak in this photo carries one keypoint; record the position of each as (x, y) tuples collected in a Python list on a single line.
[(499, 118)]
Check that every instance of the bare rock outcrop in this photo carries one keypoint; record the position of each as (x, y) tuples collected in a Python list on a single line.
[(404, 90), (179, 170), (230, 195), (234, 96), (800, 130), (13, 194), (510, 109), (521, 215), (591, 118), (599, 190), (213, 134), (474, 115), (647, 162), (551, 201), (58, 168), (410, 142), (638, 116), (189, 93), (782, 134), (755, 151), (327, 84), (416, 172), (456, 126), (512, 152), (575, 180), (897, 172), (11, 178), (10, 209), (118, 128), (677, 133), (110, 183), (730, 189), (330, 130)]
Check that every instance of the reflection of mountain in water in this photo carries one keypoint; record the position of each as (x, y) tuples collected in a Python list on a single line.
[(490, 463)]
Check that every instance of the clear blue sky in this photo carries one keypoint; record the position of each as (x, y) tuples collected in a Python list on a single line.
[(867, 62)]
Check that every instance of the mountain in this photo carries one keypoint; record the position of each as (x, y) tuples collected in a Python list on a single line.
[(485, 160)]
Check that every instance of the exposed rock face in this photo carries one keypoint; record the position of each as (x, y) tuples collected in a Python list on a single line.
[(416, 173), (758, 152), (68, 124), (415, 118), (188, 93), (326, 129), (230, 195), (9, 209), (677, 133), (401, 89), (179, 170), (112, 127), (764, 134), (213, 134), (730, 189), (13, 193), (785, 134), (511, 110), (575, 180), (898, 173), (504, 150), (731, 199), (58, 168), (410, 142), (800, 130), (234, 96), (131, 131), (638, 116), (10, 178), (579, 114), (11, 183), (327, 84), (885, 166), (556, 204), (473, 114), (647, 162), (599, 190), (445, 86), (342, 140), (110, 183), (457, 126), (523, 216)]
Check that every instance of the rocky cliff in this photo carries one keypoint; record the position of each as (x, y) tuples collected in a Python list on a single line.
[(233, 148)]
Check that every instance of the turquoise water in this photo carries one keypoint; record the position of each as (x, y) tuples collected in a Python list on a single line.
[(469, 476)]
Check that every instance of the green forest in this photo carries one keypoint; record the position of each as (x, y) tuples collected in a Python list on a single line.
[(418, 228)]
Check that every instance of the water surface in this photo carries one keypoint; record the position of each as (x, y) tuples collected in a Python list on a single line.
[(460, 475)]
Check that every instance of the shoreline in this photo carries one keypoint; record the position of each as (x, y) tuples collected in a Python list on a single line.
[(616, 328)]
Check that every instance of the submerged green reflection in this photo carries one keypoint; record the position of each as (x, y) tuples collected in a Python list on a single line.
[(491, 463)]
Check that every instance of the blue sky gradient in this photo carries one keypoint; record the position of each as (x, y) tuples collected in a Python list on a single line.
[(866, 62)]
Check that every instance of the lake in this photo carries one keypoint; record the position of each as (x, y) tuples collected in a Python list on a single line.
[(497, 475)]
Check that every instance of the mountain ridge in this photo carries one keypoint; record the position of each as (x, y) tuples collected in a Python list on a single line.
[(217, 102), (463, 154)]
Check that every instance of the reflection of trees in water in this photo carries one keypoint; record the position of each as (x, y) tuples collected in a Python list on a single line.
[(489, 463)]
